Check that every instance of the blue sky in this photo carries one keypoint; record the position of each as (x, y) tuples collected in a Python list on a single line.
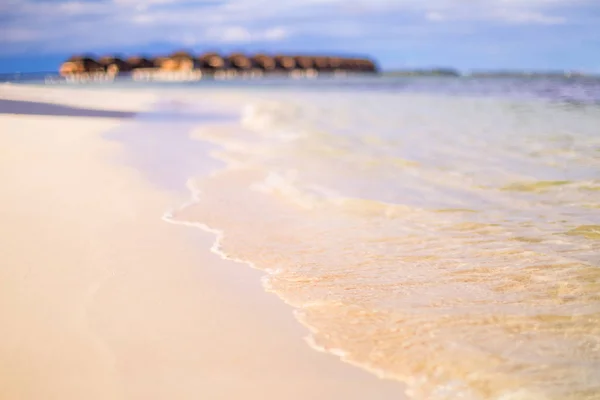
[(36, 35)]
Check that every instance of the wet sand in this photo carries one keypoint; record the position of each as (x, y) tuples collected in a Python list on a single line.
[(102, 299)]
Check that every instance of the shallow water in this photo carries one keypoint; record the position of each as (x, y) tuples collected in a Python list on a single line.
[(445, 234)]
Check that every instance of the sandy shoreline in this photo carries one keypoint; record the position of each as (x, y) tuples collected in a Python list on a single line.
[(102, 299)]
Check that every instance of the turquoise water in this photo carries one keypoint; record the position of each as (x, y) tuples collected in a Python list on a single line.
[(441, 232)]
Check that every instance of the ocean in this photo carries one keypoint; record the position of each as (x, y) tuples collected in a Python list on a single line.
[(442, 232)]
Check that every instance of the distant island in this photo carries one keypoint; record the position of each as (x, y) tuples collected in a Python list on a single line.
[(424, 72), (450, 72), (532, 74)]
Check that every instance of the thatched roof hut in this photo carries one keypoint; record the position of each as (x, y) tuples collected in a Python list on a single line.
[(181, 54), (347, 64), (335, 63), (304, 62), (358, 65), (239, 61), (264, 62), (114, 65), (178, 61), (139, 62), (80, 64), (366, 65), (285, 62), (159, 61), (321, 64), (212, 61), (69, 68)]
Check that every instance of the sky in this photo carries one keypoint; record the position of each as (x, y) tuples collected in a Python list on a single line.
[(37, 35)]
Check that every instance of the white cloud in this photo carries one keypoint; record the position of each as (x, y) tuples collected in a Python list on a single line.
[(529, 17), (240, 34), (230, 34), (277, 33), (531, 12), (67, 25), (434, 16)]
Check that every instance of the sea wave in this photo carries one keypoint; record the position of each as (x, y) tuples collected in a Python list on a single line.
[(418, 250)]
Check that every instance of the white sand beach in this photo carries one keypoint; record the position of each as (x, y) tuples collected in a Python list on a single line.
[(102, 299)]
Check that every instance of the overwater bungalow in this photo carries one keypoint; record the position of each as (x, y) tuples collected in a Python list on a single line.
[(140, 62), (321, 64), (211, 62), (80, 65), (264, 63), (162, 62), (181, 61), (304, 62), (239, 62), (113, 65), (335, 63), (285, 63), (368, 66)]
